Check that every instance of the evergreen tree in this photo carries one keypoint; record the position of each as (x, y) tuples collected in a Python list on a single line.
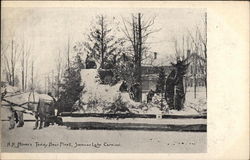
[(71, 88), (102, 45)]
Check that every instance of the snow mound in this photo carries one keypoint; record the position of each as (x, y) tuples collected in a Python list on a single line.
[(184, 111), (199, 104), (102, 95)]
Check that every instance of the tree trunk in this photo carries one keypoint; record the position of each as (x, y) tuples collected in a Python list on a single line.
[(102, 42), (139, 56), (68, 56), (12, 64), (26, 75), (32, 76)]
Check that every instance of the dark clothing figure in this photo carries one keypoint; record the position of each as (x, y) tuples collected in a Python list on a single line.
[(150, 96), (124, 87), (90, 63), (174, 93), (135, 91)]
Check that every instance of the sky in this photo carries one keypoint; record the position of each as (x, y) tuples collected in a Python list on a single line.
[(47, 30)]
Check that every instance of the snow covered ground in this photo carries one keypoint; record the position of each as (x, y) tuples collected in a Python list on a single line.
[(198, 103), (61, 139), (98, 95), (102, 94), (184, 121)]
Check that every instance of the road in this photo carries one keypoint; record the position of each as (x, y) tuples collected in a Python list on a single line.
[(61, 139)]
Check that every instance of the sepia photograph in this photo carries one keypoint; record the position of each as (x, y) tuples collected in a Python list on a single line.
[(104, 80)]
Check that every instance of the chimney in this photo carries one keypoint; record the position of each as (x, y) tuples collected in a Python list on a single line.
[(155, 55)]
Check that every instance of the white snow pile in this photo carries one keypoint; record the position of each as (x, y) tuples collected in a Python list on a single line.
[(199, 103), (95, 96), (192, 106)]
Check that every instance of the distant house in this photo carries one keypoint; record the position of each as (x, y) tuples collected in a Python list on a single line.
[(196, 71), (150, 76), (195, 74)]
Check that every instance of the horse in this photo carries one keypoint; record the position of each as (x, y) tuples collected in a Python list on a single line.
[(44, 110), (174, 93)]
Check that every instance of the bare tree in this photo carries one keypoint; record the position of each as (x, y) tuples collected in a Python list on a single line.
[(32, 75), (102, 44), (137, 33), (58, 76), (68, 54), (11, 62), (199, 42), (5, 59), (24, 65)]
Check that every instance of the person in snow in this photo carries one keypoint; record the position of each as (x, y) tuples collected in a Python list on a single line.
[(150, 95), (90, 62)]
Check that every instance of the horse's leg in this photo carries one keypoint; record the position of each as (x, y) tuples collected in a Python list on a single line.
[(41, 121), (36, 124), (12, 120), (20, 119), (46, 121), (16, 116)]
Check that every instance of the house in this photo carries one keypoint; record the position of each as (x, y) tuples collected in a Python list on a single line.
[(150, 75), (196, 73)]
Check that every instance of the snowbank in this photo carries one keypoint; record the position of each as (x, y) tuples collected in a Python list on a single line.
[(99, 94), (95, 97), (199, 104)]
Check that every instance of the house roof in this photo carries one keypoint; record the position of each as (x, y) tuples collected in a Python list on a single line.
[(155, 69)]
